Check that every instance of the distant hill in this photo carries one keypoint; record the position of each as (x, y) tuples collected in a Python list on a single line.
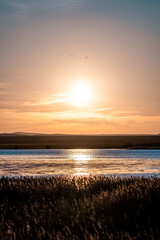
[(19, 134), (30, 134), (60, 134)]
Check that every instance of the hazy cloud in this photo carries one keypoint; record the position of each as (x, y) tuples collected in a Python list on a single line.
[(30, 6)]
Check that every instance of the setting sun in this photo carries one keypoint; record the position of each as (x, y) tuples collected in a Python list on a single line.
[(80, 94)]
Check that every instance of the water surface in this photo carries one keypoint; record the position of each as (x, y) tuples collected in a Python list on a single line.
[(79, 162)]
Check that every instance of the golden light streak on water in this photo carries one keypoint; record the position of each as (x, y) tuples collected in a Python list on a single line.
[(81, 162)]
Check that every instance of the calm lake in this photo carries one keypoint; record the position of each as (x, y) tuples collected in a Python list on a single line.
[(79, 162)]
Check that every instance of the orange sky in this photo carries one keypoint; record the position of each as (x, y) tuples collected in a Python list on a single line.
[(43, 55)]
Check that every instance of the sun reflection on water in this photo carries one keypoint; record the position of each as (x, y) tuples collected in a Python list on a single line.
[(80, 158)]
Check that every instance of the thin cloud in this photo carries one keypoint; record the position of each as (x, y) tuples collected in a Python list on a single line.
[(26, 7), (104, 109), (48, 101), (4, 85)]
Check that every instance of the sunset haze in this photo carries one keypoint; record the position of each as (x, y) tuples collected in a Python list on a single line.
[(80, 67)]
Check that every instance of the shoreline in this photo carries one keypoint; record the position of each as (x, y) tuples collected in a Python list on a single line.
[(15, 147), (87, 175)]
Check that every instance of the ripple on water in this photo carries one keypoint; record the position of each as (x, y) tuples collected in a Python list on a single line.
[(79, 162)]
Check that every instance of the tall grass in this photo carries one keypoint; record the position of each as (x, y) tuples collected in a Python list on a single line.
[(79, 208)]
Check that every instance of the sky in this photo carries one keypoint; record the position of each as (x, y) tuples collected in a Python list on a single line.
[(80, 66)]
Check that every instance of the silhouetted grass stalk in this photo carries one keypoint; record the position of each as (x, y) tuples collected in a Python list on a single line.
[(79, 208)]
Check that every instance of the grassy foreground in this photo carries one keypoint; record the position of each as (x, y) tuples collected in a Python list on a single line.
[(79, 208)]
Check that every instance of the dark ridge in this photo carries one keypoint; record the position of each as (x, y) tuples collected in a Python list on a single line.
[(57, 141)]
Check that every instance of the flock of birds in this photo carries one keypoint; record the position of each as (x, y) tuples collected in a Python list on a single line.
[(73, 55)]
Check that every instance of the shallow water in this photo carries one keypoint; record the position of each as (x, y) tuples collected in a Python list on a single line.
[(79, 162)]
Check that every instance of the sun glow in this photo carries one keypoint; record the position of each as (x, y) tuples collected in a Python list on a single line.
[(80, 94)]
